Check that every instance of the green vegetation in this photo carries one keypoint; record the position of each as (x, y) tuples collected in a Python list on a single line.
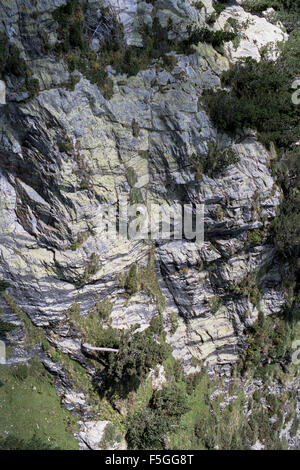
[(20, 372), (66, 146), (145, 279), (287, 11), (88, 325), (75, 49), (255, 237), (73, 46), (31, 416), (260, 97), (6, 327), (248, 287), (269, 345), (150, 284), (92, 267), (3, 286), (196, 35), (34, 334), (216, 161), (81, 238), (286, 226), (215, 303), (11, 63), (138, 353), (104, 308), (173, 322), (148, 427), (131, 281), (219, 7), (111, 436)]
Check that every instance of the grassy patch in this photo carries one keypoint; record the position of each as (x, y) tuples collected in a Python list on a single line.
[(31, 416)]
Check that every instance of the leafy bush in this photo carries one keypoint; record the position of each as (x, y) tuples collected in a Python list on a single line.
[(287, 11), (92, 267), (286, 226), (269, 342), (12, 63), (20, 371), (196, 35), (147, 428), (260, 97), (157, 324), (131, 281), (55, 356), (6, 327), (104, 308), (138, 353), (255, 237), (216, 161), (4, 285)]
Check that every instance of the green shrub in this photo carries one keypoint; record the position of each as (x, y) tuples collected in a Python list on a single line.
[(32, 86), (131, 281), (20, 371), (295, 426), (4, 47), (173, 322), (55, 356), (157, 324), (215, 303), (111, 436), (260, 98), (4, 285), (6, 327), (66, 146), (269, 342), (148, 427), (129, 60), (45, 345), (215, 38), (138, 353), (255, 237), (92, 267), (104, 308)]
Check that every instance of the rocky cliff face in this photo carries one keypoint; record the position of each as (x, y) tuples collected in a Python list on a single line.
[(67, 152)]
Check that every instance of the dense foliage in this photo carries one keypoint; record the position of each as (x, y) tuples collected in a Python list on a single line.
[(139, 351), (287, 11), (147, 428), (260, 97)]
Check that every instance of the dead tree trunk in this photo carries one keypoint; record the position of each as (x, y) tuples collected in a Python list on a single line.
[(88, 347)]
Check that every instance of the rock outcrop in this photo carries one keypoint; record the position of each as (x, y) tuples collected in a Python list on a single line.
[(67, 154)]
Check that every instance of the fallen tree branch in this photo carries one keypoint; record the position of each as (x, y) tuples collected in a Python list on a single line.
[(93, 348)]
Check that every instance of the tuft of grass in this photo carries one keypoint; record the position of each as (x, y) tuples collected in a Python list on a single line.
[(31, 416), (149, 282)]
